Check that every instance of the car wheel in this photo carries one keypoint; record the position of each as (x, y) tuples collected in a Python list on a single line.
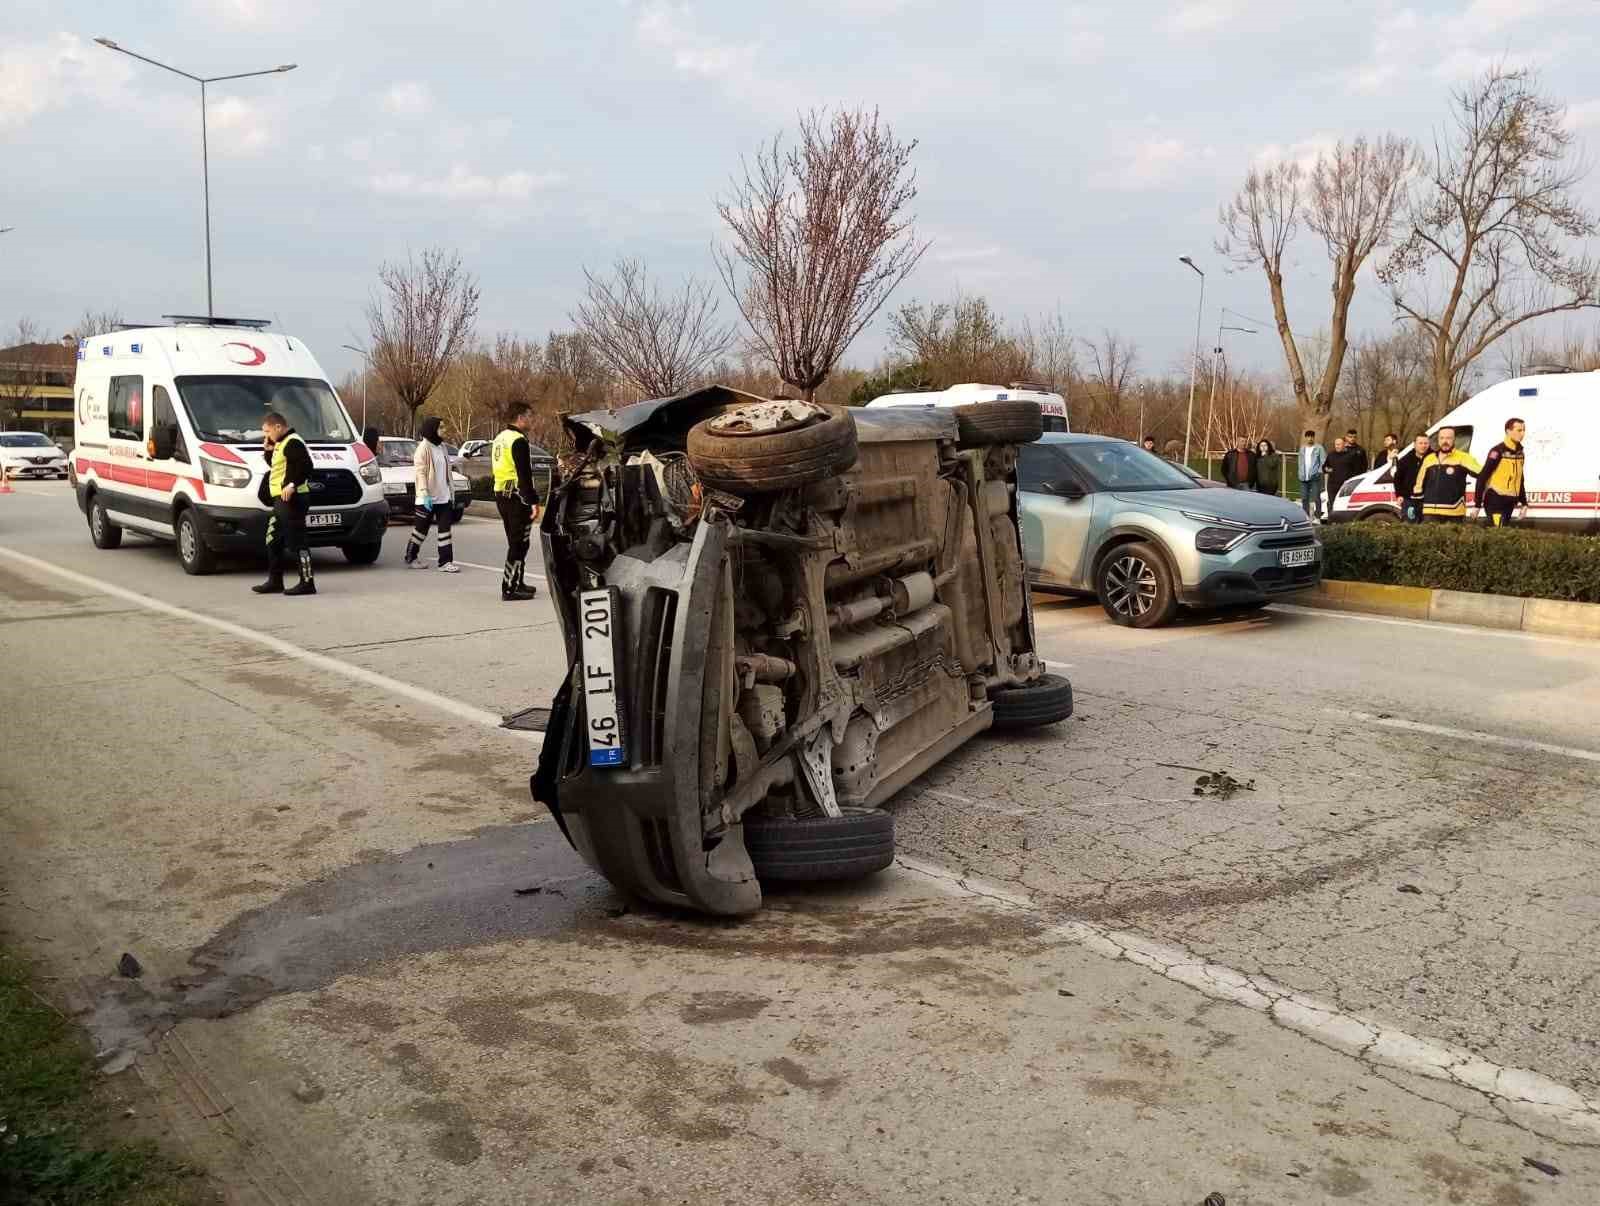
[(1046, 700), (1135, 586), (726, 454), (1384, 516), (193, 552), (855, 843), (456, 514), (361, 554), (104, 533), (985, 423)]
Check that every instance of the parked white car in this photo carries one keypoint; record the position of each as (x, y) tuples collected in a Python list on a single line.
[(395, 462), (29, 454)]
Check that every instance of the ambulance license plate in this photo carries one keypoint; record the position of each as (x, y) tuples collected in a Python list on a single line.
[(1298, 556), (326, 519), (596, 614)]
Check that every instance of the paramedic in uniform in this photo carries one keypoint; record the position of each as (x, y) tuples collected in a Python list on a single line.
[(1444, 480), (289, 481), (1501, 487), (515, 498)]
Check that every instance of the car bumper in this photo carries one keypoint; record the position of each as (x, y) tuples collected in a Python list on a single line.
[(244, 529), (16, 472), (404, 506), (1251, 577)]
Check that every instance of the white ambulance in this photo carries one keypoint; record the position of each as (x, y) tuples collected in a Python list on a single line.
[(1053, 406), (1562, 470), (168, 427)]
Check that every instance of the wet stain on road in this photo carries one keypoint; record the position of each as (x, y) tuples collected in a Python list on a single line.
[(711, 1008), (786, 1070)]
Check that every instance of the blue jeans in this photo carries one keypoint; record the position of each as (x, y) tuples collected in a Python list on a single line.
[(1311, 496)]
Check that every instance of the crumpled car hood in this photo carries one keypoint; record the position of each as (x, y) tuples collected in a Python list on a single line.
[(657, 422)]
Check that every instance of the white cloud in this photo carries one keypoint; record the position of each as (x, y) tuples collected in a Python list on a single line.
[(670, 28), (1584, 116), (1305, 152), (1406, 44), (408, 98), (462, 184), (1151, 163), (38, 76), (237, 129), (1202, 16)]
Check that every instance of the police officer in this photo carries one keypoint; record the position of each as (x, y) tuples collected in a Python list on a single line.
[(289, 487), (1502, 487), (514, 496)]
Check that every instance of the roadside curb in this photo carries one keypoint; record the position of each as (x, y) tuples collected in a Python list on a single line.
[(1552, 617)]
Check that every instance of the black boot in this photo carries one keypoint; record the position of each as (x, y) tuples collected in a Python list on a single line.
[(512, 589), (272, 586), (307, 585)]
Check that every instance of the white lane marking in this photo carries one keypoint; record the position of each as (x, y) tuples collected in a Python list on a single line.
[(496, 569), (1430, 625), (461, 711), (1439, 730), (1370, 1041)]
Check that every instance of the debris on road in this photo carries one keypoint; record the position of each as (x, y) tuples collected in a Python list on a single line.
[(534, 891), (1221, 785), (1549, 1170), (309, 1092), (129, 967), (1061, 992), (1409, 889), (1214, 1199)]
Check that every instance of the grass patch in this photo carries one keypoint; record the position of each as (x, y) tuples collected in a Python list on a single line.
[(56, 1142)]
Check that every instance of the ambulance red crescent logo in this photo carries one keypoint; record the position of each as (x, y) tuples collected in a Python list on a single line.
[(247, 354)]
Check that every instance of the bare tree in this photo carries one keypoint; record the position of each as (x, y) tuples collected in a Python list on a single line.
[(819, 239), (958, 341), (421, 319), (659, 343), (21, 373), (1351, 198), (1051, 352), (97, 322), (1113, 362), (1489, 242)]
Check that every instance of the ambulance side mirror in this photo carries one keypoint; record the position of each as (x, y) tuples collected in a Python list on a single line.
[(163, 442)]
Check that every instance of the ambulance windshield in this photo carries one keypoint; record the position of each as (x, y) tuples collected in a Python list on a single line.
[(229, 409)]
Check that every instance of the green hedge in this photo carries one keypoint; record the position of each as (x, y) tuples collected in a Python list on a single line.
[(1536, 565)]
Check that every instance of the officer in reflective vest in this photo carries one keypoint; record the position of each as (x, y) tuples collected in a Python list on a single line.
[(516, 500), (289, 486)]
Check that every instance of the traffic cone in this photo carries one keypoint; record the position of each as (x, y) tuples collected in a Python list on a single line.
[(5, 480)]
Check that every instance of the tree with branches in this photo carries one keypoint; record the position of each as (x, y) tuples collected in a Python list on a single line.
[(1113, 364), (1489, 245), (819, 238), (97, 322), (958, 341), (421, 320), (657, 342), (20, 378), (1352, 199)]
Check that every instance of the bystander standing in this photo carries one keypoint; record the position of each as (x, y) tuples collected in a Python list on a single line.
[(1239, 465), (1269, 468), (1312, 459), (1501, 486), (1408, 481)]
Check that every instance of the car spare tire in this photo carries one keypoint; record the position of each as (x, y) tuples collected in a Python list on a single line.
[(770, 446), (983, 423), (857, 842), (1044, 701)]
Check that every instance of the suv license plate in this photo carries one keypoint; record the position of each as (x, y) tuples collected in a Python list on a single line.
[(597, 613), (1298, 556), (328, 519)]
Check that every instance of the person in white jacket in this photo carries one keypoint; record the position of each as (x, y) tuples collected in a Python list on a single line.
[(435, 500)]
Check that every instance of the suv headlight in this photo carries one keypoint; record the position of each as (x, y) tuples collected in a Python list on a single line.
[(370, 473), (1217, 540), (217, 473)]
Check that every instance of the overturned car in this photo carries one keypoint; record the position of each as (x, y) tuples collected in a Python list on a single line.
[(777, 614)]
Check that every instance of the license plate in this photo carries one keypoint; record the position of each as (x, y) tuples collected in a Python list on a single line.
[(328, 519), (1298, 556), (596, 613)]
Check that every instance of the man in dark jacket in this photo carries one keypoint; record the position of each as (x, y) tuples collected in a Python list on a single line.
[(1501, 486), (1239, 466), (1408, 480), (1344, 463), (288, 487), (1352, 444)]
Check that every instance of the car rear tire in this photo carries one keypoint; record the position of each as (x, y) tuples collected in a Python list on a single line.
[(856, 843), (1046, 700), (1384, 516), (361, 554), (194, 554), (104, 533), (984, 423), (761, 463), (457, 514), (1135, 587)]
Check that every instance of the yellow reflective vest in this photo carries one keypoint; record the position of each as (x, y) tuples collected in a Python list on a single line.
[(280, 466), (501, 460)]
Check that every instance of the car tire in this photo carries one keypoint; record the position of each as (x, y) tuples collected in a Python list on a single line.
[(361, 554), (457, 514), (194, 554), (104, 533), (984, 423), (858, 842), (1135, 586), (1046, 700), (1381, 516), (782, 460)]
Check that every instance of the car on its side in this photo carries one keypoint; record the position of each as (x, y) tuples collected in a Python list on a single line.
[(1102, 516), (396, 463), (30, 454)]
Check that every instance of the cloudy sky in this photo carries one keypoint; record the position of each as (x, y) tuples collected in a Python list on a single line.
[(1069, 153)]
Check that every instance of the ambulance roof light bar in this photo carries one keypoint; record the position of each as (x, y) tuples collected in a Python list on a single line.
[(202, 320)]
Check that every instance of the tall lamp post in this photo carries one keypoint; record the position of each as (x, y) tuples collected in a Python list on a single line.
[(205, 152), (367, 372), (1216, 365), (1194, 366)]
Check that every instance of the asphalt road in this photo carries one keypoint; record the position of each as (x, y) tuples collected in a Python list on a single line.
[(1299, 908)]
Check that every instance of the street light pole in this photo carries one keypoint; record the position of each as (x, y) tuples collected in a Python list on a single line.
[(1216, 366), (366, 373), (1194, 365), (205, 148)]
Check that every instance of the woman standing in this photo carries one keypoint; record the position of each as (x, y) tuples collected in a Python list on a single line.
[(434, 498), (1269, 469)]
